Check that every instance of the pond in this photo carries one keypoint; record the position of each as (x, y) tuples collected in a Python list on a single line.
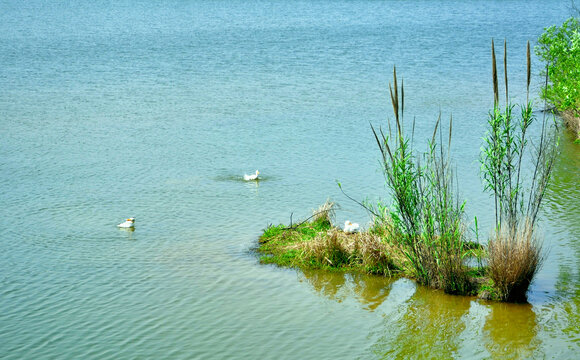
[(156, 110)]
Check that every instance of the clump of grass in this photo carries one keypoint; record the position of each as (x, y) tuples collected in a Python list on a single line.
[(328, 248), (517, 203), (377, 255), (325, 212), (514, 259), (315, 243), (362, 251)]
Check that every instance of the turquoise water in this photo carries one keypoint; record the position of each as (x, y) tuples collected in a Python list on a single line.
[(156, 109)]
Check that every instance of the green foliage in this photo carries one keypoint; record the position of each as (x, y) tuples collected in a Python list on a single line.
[(276, 241), (316, 244), (514, 252), (501, 158), (284, 235), (501, 161), (427, 217), (488, 290), (559, 47)]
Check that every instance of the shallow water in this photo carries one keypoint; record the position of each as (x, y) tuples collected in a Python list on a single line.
[(157, 109)]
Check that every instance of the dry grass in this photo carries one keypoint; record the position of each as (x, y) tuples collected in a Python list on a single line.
[(338, 249), (325, 212), (515, 256)]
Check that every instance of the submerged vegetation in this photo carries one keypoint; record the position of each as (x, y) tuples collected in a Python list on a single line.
[(422, 234)]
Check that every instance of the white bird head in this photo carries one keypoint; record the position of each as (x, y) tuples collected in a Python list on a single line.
[(129, 223)]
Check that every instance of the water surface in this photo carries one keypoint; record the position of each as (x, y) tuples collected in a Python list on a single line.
[(157, 109)]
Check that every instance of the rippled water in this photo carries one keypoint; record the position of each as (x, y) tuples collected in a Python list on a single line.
[(157, 109)]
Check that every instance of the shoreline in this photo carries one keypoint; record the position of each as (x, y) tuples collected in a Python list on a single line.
[(572, 122), (320, 245)]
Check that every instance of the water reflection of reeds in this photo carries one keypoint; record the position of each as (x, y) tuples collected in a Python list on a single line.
[(420, 320), (431, 324), (371, 291), (441, 326), (510, 331)]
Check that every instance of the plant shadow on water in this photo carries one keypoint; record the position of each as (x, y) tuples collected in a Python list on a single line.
[(445, 326), (421, 320), (511, 331), (429, 322), (371, 291)]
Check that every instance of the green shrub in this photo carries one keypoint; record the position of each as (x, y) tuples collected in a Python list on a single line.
[(559, 47)]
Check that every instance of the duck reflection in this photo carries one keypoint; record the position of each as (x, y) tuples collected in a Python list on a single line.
[(128, 232)]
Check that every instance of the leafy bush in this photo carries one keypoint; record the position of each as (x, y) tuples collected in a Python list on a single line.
[(559, 47)]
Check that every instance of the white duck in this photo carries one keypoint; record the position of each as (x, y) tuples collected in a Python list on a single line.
[(252, 177), (129, 223), (350, 227)]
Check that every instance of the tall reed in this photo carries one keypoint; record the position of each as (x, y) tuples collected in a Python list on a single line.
[(427, 216), (517, 202)]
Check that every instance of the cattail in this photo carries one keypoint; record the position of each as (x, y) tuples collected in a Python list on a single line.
[(395, 99), (450, 131), (402, 99), (494, 75), (435, 130), (529, 73)]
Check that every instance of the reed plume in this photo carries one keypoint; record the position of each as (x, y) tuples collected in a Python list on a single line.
[(494, 74)]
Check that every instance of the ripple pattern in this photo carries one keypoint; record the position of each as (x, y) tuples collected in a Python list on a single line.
[(156, 109)]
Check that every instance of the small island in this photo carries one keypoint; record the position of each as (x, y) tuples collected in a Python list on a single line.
[(317, 244), (423, 234)]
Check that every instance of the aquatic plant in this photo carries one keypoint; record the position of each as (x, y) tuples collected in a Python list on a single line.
[(427, 215), (514, 250), (513, 261)]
